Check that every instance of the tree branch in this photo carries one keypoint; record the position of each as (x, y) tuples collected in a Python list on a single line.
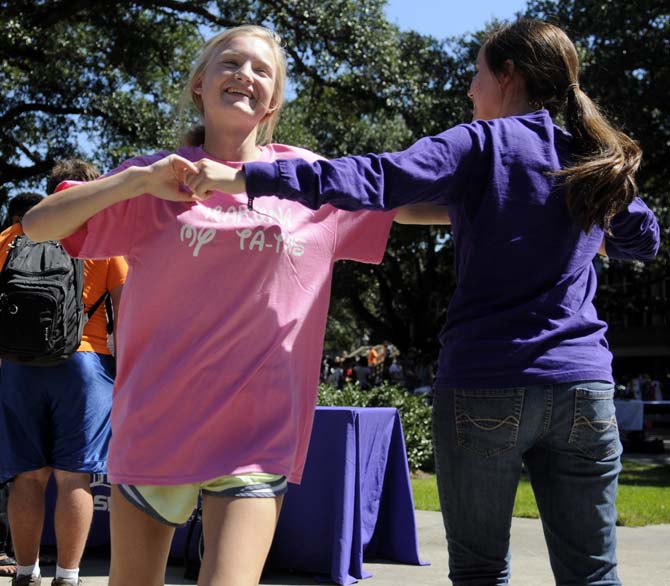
[(14, 173), (23, 148), (20, 109)]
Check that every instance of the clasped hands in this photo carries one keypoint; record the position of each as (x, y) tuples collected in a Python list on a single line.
[(178, 179)]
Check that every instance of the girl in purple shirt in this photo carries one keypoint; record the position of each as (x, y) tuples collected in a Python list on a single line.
[(525, 370)]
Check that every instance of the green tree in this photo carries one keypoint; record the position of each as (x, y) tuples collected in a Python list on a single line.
[(85, 72), (419, 88)]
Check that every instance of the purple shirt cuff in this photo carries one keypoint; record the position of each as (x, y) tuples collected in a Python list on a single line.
[(261, 179)]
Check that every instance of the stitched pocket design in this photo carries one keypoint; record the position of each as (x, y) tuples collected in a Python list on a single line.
[(594, 428), (487, 420)]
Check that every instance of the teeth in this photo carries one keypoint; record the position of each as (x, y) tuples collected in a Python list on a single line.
[(236, 91)]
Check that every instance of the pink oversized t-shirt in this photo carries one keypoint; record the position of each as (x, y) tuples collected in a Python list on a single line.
[(221, 326)]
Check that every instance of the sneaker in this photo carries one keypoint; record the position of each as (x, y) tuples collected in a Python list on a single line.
[(28, 580), (65, 582)]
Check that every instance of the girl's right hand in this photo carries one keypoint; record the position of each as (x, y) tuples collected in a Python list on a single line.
[(167, 178)]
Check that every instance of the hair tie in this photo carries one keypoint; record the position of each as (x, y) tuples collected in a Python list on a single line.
[(573, 87)]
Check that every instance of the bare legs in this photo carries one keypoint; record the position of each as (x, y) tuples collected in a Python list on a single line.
[(238, 534), (73, 515), (25, 509)]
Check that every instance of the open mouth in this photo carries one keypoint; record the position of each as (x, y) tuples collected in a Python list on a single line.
[(239, 92)]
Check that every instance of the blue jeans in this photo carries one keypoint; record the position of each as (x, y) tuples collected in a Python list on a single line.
[(567, 436)]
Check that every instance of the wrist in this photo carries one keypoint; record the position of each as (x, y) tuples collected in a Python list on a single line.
[(137, 181)]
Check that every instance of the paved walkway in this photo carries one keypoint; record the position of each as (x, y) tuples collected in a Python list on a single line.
[(644, 560)]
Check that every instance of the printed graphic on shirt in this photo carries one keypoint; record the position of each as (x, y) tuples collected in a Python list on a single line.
[(276, 238)]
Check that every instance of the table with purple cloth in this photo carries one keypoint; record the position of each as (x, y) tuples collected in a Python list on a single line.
[(354, 503), (629, 414), (355, 500)]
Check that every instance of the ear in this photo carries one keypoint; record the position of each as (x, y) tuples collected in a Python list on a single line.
[(272, 106), (197, 87), (508, 73)]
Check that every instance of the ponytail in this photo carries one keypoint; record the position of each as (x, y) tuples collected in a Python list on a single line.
[(601, 182)]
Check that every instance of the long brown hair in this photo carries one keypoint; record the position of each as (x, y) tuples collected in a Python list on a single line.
[(600, 180)]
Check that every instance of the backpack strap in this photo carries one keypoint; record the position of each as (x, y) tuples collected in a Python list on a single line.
[(11, 247), (110, 314), (109, 311), (94, 307)]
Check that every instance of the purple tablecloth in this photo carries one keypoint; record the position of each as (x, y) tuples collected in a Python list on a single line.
[(355, 501), (629, 414)]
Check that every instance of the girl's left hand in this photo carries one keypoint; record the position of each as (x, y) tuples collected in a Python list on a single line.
[(213, 176)]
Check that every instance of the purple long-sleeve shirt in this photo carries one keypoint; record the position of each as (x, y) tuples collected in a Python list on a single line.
[(522, 312)]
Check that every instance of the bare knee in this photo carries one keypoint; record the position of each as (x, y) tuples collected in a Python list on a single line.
[(67, 481), (32, 480)]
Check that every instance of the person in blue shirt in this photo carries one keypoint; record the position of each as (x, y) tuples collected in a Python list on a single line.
[(524, 373)]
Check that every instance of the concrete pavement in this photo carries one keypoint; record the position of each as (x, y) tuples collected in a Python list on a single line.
[(644, 560)]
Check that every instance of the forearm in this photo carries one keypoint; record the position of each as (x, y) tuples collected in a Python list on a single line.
[(373, 182), (423, 215), (433, 170), (635, 234), (63, 213)]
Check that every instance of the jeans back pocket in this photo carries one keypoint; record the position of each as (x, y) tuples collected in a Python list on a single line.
[(487, 420), (594, 427)]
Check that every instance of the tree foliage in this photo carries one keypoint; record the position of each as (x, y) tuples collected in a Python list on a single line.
[(85, 72)]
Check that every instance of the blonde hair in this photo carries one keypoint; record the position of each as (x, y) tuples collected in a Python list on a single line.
[(195, 135), (600, 180)]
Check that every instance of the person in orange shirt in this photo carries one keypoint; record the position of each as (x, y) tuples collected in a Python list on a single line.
[(56, 420)]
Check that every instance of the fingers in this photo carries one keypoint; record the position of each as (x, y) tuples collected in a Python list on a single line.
[(195, 184), (181, 167), (184, 171), (197, 181), (206, 180)]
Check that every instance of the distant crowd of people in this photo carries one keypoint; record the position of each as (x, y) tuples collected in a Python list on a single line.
[(644, 387), (369, 366)]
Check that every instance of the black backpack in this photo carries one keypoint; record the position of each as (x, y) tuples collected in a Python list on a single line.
[(41, 305)]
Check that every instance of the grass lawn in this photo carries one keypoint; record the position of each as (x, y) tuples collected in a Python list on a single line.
[(644, 495)]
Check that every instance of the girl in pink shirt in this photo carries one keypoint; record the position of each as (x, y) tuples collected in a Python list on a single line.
[(221, 326)]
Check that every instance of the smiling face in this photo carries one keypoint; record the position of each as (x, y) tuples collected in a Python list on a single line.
[(238, 82), (485, 91)]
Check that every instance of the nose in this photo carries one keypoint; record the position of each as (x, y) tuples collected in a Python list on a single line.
[(244, 71)]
